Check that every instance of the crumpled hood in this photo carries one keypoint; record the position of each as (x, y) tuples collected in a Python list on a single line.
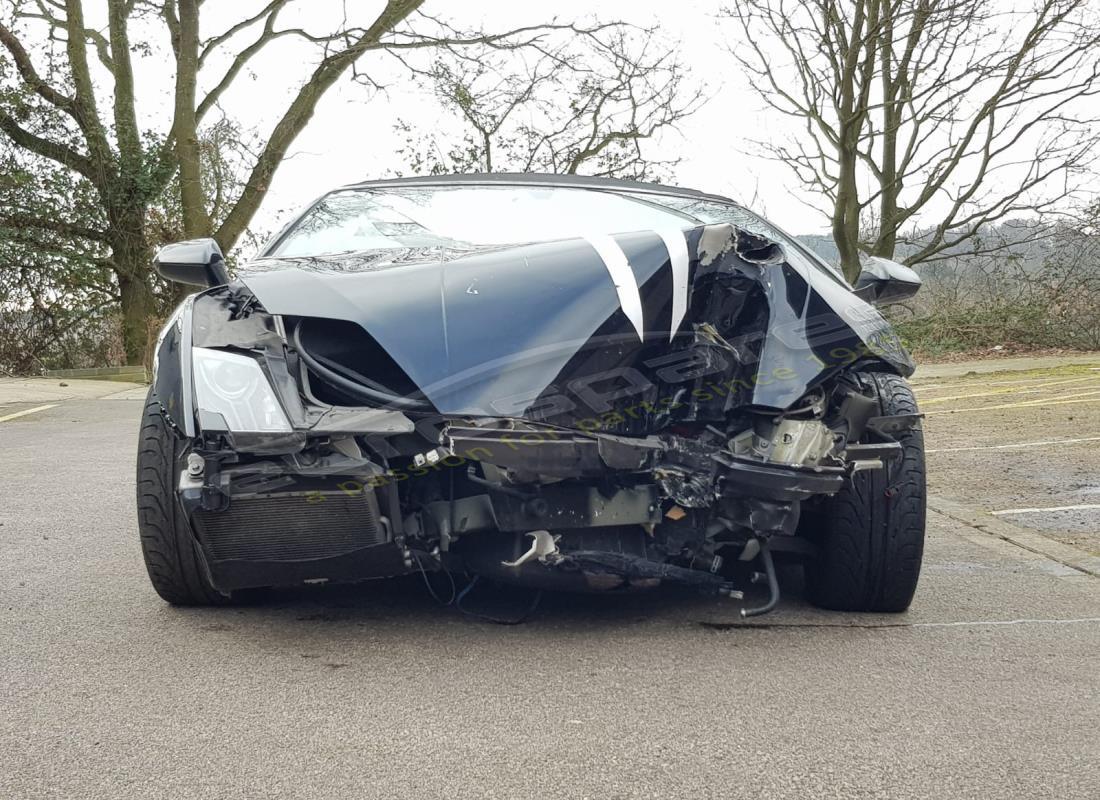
[(511, 331)]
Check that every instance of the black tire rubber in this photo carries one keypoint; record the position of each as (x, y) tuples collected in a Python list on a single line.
[(167, 543), (870, 535)]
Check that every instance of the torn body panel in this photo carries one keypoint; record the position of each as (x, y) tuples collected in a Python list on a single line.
[(533, 331), (596, 412)]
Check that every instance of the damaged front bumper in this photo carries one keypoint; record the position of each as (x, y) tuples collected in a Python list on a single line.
[(512, 500)]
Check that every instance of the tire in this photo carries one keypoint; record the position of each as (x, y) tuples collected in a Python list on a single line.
[(870, 535), (171, 553)]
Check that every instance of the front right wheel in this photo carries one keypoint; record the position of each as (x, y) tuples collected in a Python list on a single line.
[(870, 535), (172, 557)]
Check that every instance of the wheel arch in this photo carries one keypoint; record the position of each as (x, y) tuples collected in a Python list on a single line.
[(172, 376)]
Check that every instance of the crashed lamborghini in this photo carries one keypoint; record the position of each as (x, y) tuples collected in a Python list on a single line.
[(557, 382)]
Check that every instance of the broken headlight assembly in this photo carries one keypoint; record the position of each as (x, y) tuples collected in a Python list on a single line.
[(234, 386)]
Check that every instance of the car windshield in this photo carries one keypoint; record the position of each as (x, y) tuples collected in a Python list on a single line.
[(357, 220), (711, 212), (369, 219)]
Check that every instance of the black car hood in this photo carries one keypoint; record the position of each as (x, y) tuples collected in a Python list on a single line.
[(561, 330)]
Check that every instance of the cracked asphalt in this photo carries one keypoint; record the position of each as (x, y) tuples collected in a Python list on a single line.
[(988, 688)]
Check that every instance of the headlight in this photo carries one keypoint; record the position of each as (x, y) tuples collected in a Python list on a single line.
[(235, 387)]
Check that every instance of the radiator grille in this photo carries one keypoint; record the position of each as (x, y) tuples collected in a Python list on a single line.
[(291, 527)]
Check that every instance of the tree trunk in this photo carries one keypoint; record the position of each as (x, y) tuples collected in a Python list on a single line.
[(855, 71), (137, 305), (196, 221), (846, 220), (132, 257)]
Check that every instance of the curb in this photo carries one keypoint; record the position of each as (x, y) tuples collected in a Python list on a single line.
[(948, 370), (985, 522), (102, 373)]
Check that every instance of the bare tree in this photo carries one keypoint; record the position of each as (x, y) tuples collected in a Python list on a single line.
[(584, 103), (67, 95), (923, 121)]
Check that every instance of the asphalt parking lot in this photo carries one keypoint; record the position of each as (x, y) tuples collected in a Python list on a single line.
[(987, 688)]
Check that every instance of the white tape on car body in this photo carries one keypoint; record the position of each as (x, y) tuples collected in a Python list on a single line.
[(626, 285), (676, 244)]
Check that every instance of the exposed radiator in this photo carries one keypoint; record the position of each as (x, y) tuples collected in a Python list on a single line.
[(291, 527)]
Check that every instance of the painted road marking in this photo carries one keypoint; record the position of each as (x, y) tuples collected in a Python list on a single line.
[(1054, 401), (921, 387), (1083, 507), (1012, 446), (28, 411), (979, 623), (1025, 621), (1011, 390)]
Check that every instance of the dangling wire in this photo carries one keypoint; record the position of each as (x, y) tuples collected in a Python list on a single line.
[(489, 618), (431, 590), (457, 597)]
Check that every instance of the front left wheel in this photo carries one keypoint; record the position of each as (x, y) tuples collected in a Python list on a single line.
[(870, 534), (171, 553)]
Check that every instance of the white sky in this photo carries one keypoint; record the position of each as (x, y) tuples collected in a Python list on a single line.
[(351, 137)]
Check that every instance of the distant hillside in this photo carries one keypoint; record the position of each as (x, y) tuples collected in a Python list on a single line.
[(822, 245), (1025, 242)]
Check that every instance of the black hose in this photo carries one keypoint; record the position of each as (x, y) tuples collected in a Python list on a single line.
[(348, 372), (630, 566), (354, 387), (773, 584)]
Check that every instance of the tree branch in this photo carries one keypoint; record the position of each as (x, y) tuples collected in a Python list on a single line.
[(31, 77), (298, 115), (58, 153)]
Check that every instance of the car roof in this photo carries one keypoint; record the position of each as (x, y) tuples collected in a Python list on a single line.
[(539, 179)]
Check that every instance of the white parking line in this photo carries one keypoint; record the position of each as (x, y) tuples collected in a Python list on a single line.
[(1022, 382), (1092, 398), (983, 623), (1083, 507), (1012, 390), (27, 411), (1012, 446)]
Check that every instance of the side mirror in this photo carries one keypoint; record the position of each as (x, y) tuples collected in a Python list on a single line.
[(198, 262), (882, 281)]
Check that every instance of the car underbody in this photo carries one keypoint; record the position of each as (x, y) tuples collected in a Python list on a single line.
[(691, 456)]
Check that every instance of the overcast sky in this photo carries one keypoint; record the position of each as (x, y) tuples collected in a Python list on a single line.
[(352, 138)]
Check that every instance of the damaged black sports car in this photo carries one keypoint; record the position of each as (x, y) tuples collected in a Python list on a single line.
[(560, 382)]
